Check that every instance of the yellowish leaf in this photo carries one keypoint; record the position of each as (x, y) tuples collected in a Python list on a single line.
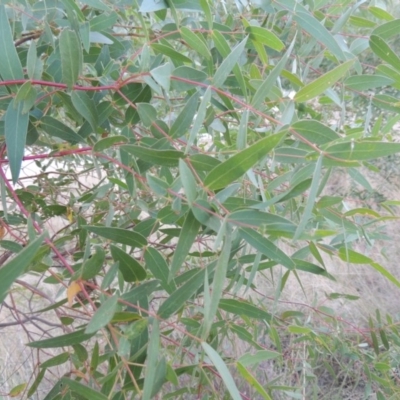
[(70, 214), (17, 390), (73, 289), (2, 231)]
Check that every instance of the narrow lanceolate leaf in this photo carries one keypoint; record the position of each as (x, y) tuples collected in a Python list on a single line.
[(266, 37), (241, 307), (103, 315), (16, 128), (82, 390), (217, 285), (223, 370), (86, 107), (186, 239), (354, 257), (166, 158), (14, 268), (130, 268), (265, 246), (56, 128), (264, 90), (124, 236), (310, 24), (178, 298), (252, 380), (229, 62), (108, 142), (195, 42), (68, 339), (71, 57), (224, 49), (315, 132), (236, 166), (322, 83), (10, 64), (182, 124), (188, 182), (94, 264), (383, 51), (366, 82), (157, 265), (360, 151), (311, 199), (151, 364), (198, 121)]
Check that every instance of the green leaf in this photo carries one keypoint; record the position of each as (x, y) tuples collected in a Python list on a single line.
[(157, 265), (218, 284), (223, 371), (188, 182), (237, 165), (162, 75), (56, 128), (360, 151), (10, 271), (16, 128), (388, 30), (130, 268), (272, 224), (71, 57), (69, 339), (229, 62), (199, 120), (10, 64), (166, 158), (259, 356), (203, 162), (84, 391), (32, 390), (151, 365), (265, 88), (93, 265), (182, 124), (223, 47), (118, 235), (186, 239), (195, 42), (366, 82), (103, 315), (86, 107), (322, 83), (307, 214), (27, 95), (380, 13), (108, 142), (383, 51), (171, 53), (178, 298), (310, 24), (186, 78), (252, 381), (57, 360), (265, 246), (241, 307), (315, 132), (264, 36), (147, 113), (353, 257)]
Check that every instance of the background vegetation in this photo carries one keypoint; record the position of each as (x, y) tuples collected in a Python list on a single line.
[(166, 173)]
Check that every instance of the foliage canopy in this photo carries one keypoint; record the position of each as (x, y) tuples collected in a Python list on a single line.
[(213, 129)]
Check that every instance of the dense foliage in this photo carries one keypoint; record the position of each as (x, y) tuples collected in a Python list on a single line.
[(186, 146)]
